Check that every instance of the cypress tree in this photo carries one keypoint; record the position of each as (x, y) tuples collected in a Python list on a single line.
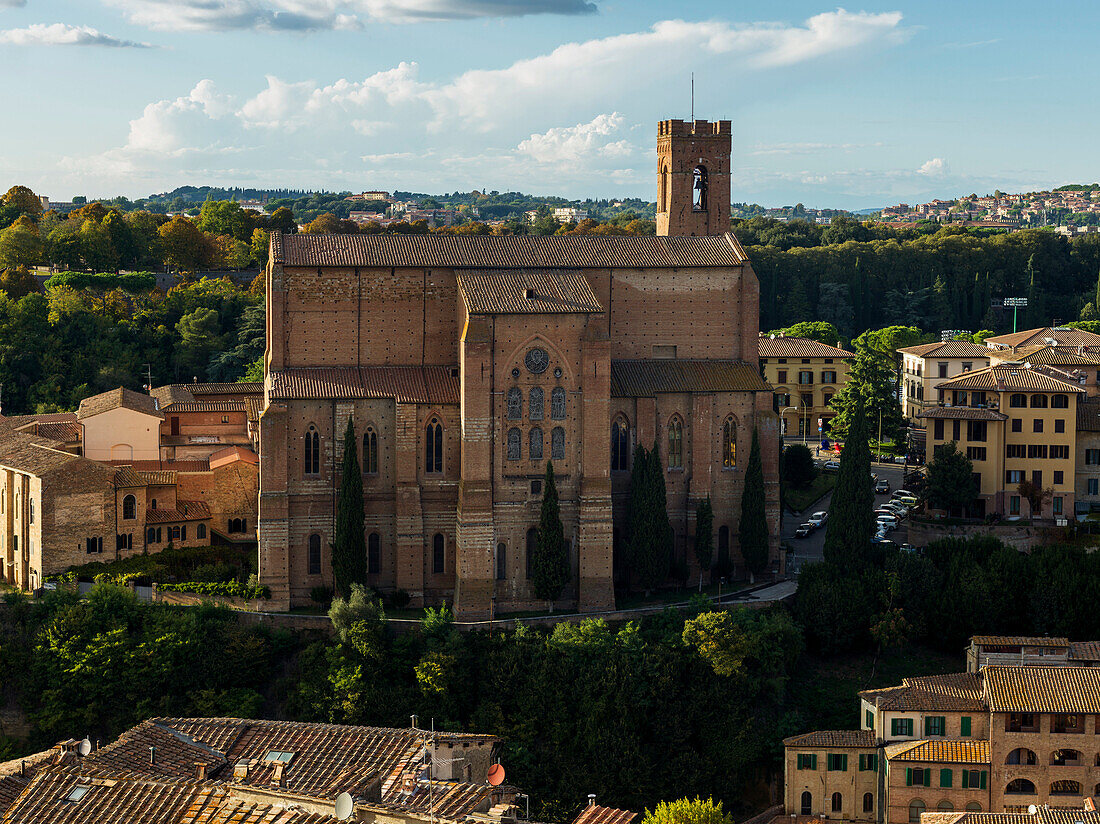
[(704, 536), (851, 515), (349, 550), (661, 530), (753, 527), (550, 561), (637, 511)]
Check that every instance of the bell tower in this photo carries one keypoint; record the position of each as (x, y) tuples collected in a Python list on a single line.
[(693, 177)]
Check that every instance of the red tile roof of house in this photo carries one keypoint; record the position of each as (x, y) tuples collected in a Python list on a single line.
[(960, 691), (1059, 689), (120, 398), (784, 347), (406, 384), (833, 738), (184, 511), (1062, 335), (1007, 377), (595, 814), (177, 466), (962, 413), (64, 432), (231, 454), (947, 349), (940, 751)]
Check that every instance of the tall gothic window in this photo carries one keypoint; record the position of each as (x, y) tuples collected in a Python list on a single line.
[(502, 561), (433, 446), (699, 189), (129, 508), (374, 553), (370, 451), (535, 404), (515, 444), (557, 443), (620, 445), (515, 404), (729, 444), (557, 403), (535, 445), (439, 556), (313, 452), (675, 444)]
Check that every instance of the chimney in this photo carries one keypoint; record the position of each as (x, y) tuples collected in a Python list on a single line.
[(152, 755), (277, 773), (591, 799), (200, 770), (240, 770), (413, 717)]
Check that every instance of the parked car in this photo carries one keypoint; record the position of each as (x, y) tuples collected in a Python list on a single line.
[(898, 509), (902, 493), (890, 521), (831, 466), (908, 500), (803, 531), (899, 459), (908, 548), (882, 487), (818, 519)]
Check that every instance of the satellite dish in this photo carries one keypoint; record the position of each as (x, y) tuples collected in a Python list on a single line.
[(84, 747), (496, 775), (1032, 809), (344, 806)]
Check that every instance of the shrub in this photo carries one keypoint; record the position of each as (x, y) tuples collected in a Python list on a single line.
[(321, 595), (400, 599), (233, 589)]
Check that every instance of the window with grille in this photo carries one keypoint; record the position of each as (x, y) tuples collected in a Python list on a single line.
[(535, 404), (557, 443), (535, 444), (515, 404), (557, 403), (515, 444)]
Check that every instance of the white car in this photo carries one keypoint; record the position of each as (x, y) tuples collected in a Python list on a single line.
[(803, 531), (818, 519), (901, 510), (832, 466), (902, 493), (889, 520)]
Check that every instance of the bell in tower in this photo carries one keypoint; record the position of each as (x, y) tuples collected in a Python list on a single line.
[(693, 177)]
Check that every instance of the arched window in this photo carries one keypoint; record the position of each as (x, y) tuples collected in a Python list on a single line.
[(1038, 401), (175, 534), (374, 553), (868, 802), (837, 803), (620, 445), (502, 561), (1065, 758), (916, 807), (534, 445), (973, 807), (1065, 787), (1020, 786), (557, 403), (314, 554), (699, 188), (945, 806), (662, 189), (729, 444), (675, 444), (557, 443), (150, 536), (515, 444), (153, 503), (1021, 755), (515, 404), (1059, 401), (433, 446), (129, 508), (439, 554), (370, 451), (807, 803), (535, 404), (1017, 400), (313, 452), (201, 531), (532, 539)]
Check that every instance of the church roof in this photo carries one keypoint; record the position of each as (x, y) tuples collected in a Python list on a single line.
[(405, 384), (506, 251), (526, 292), (645, 378)]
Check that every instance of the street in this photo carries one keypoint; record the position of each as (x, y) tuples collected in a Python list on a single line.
[(809, 549)]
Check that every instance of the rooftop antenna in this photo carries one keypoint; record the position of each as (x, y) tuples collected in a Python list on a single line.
[(693, 97)]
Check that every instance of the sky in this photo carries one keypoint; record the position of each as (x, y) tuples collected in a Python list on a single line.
[(849, 107)]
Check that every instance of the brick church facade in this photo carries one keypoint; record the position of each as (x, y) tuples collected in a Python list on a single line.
[(467, 362)]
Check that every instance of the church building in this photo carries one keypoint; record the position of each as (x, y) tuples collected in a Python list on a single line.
[(467, 362)]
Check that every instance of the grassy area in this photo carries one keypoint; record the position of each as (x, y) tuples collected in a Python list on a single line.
[(801, 499)]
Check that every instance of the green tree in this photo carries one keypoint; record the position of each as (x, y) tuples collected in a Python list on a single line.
[(798, 470), (851, 516), (872, 381), (23, 199), (182, 244), (950, 482), (20, 244), (349, 549), (753, 527), (718, 640), (18, 281), (819, 330), (261, 240), (687, 811), (648, 521), (704, 536), (550, 560), (199, 336)]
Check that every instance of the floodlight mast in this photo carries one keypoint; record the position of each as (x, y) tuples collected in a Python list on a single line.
[(1015, 303)]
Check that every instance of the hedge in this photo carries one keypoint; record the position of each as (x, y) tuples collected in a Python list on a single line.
[(132, 282), (234, 589)]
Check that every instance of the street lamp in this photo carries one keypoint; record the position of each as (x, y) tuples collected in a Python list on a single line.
[(799, 409)]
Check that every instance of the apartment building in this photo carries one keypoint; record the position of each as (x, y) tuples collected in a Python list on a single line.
[(1015, 422), (926, 366), (804, 375), (1047, 336), (1079, 365), (999, 737)]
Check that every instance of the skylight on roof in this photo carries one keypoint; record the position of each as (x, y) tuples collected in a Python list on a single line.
[(77, 793), (278, 756)]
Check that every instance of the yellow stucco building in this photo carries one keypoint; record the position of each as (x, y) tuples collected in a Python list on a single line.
[(805, 375)]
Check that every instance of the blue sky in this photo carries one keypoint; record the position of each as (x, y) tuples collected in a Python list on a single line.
[(852, 107)]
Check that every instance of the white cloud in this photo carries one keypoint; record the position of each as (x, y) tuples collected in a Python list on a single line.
[(62, 34), (12, 4), (583, 141), (936, 167), (305, 15)]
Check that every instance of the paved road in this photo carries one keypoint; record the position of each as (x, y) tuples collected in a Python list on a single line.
[(806, 550)]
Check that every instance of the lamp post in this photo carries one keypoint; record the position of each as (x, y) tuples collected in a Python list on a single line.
[(1015, 303), (799, 409)]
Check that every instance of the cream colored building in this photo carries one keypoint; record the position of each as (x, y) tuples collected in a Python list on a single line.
[(1047, 336), (926, 366), (120, 425), (805, 375)]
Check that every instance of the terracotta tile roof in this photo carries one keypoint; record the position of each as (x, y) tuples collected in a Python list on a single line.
[(645, 378), (955, 692), (1048, 355), (947, 349), (254, 406), (958, 752), (783, 347), (177, 466), (63, 432), (1044, 815), (963, 413), (176, 752), (36, 456), (447, 799), (1007, 378), (11, 787), (24, 421), (406, 384), (1088, 416), (127, 478), (1042, 689), (120, 398), (184, 511), (506, 252), (172, 393), (1063, 336), (1084, 651), (833, 738), (595, 814), (505, 292), (160, 477), (1019, 641), (225, 388), (231, 454), (206, 406)]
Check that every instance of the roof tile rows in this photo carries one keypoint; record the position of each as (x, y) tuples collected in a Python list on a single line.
[(595, 814), (1049, 355), (1019, 641), (947, 349), (1088, 416), (646, 378), (507, 252), (941, 751), (184, 511), (1062, 335), (526, 291), (960, 691), (405, 384), (833, 738), (120, 398), (1059, 689), (784, 347), (1007, 378), (969, 413)]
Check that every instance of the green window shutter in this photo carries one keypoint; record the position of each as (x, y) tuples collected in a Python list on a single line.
[(813, 761), (965, 726), (844, 763), (927, 777), (862, 762), (983, 774), (908, 776), (908, 726), (874, 761), (870, 718), (893, 726), (798, 761), (966, 779), (945, 778)]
